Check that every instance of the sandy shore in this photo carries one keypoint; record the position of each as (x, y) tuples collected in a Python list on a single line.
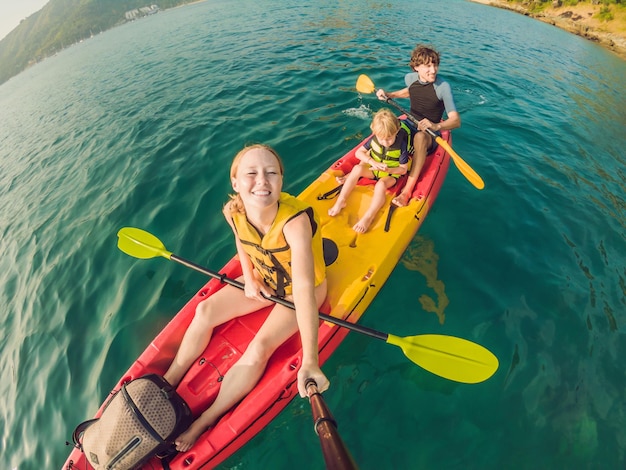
[(579, 19)]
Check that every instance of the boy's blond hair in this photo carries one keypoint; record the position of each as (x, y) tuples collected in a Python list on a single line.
[(385, 123)]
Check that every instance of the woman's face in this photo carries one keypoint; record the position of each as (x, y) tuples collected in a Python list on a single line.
[(258, 179)]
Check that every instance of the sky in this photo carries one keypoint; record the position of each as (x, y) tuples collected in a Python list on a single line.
[(14, 11)]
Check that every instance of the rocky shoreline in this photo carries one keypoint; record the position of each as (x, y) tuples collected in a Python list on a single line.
[(578, 20)]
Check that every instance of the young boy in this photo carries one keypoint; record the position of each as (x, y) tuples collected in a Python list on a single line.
[(430, 96), (384, 157)]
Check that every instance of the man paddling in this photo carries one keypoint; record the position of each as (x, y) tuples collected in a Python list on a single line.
[(430, 97)]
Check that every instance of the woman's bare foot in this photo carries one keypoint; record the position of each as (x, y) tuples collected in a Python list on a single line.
[(341, 179), (401, 200), (186, 440), (336, 209), (364, 224)]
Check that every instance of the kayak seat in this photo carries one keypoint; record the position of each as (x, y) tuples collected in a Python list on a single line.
[(346, 164), (331, 251)]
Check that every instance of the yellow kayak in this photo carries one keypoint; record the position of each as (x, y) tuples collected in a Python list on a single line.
[(365, 260)]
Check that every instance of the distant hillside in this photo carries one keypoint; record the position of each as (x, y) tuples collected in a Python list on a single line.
[(61, 23)]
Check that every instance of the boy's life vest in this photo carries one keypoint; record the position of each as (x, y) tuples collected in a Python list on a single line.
[(390, 156), (270, 254)]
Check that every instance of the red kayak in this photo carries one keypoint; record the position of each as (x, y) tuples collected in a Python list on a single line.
[(362, 264)]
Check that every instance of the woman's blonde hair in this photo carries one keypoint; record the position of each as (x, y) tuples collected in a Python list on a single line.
[(236, 204), (385, 123)]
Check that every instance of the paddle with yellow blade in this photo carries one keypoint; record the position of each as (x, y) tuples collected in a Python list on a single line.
[(447, 356), (365, 85)]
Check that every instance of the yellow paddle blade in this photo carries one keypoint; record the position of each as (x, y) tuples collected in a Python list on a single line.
[(463, 167), (364, 84), (140, 244), (449, 357)]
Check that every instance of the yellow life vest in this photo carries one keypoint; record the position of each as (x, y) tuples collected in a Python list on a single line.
[(270, 254), (389, 156)]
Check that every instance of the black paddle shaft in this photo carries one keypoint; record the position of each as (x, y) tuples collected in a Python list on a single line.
[(408, 115), (226, 280)]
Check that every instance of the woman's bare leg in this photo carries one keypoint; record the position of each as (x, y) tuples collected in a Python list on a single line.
[(245, 373), (229, 302), (421, 142), (240, 379)]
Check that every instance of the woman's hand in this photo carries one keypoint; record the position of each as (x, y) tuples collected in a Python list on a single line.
[(311, 371), (255, 288)]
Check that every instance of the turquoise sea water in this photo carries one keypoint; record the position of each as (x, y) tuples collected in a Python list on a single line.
[(137, 126)]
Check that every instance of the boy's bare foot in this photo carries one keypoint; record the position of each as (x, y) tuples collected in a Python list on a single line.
[(336, 209), (363, 225), (401, 200), (186, 440)]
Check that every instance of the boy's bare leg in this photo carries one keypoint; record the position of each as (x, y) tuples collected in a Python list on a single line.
[(351, 181), (380, 190), (421, 143)]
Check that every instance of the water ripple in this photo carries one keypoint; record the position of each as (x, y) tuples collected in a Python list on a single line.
[(125, 130)]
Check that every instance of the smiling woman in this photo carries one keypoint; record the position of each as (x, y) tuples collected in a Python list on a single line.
[(280, 249)]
